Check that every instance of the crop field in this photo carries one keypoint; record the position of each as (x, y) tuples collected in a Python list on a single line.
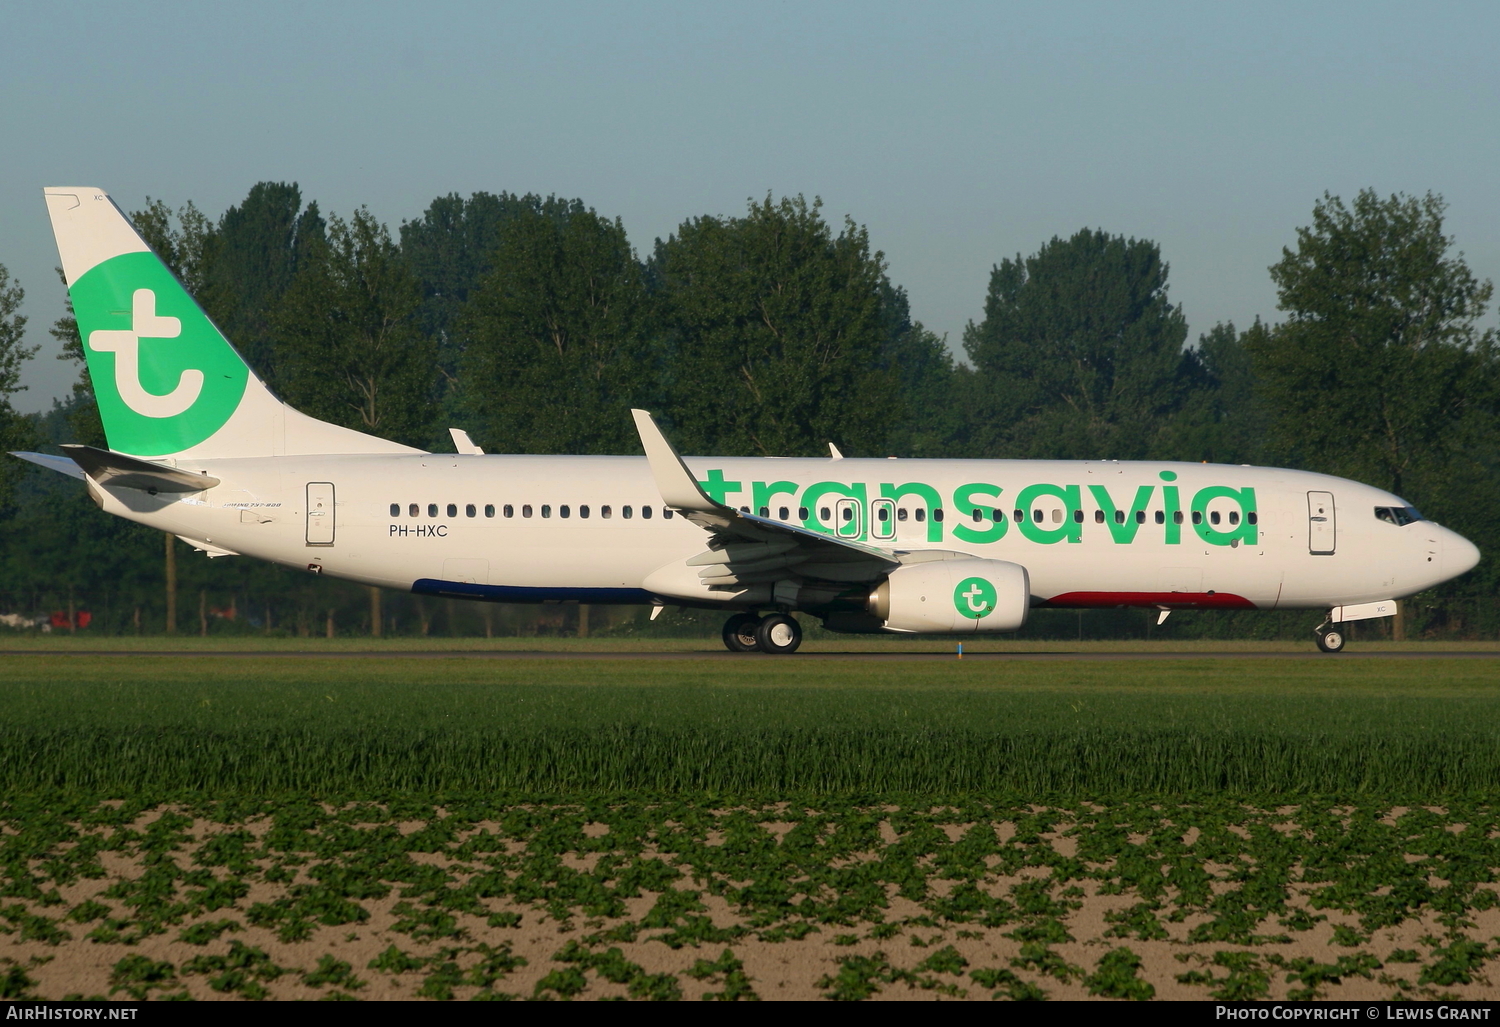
[(259, 826)]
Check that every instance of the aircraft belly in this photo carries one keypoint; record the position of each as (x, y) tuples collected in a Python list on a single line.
[(1184, 576)]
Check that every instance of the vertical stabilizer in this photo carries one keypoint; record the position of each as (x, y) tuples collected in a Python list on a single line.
[(167, 381)]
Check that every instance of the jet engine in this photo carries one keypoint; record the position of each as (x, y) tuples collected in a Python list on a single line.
[(953, 597)]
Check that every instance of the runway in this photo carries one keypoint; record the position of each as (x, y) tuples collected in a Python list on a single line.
[(717, 655)]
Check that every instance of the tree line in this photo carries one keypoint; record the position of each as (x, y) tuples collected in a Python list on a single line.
[(535, 324)]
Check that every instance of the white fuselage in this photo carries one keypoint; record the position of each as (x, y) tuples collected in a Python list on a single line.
[(460, 525)]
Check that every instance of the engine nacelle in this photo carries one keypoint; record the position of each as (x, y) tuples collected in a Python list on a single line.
[(953, 597)]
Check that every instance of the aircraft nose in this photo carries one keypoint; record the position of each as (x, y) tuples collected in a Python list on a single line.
[(1459, 554)]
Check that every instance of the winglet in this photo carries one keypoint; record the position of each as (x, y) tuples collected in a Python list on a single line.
[(678, 488), (463, 444), (833, 451)]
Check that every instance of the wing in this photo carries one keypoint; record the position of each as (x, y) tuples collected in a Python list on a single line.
[(746, 550)]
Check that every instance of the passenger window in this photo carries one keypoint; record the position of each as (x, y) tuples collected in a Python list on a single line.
[(744, 509), (783, 512), (546, 510), (1140, 517), (564, 511), (997, 516), (937, 515), (1251, 517), (1119, 516), (431, 509), (901, 514), (920, 514), (645, 513), (823, 513), (627, 512), (1037, 515), (489, 510), (1077, 516), (452, 509), (1056, 516), (848, 513), (883, 514), (413, 510), (1197, 516), (1020, 516), (470, 511), (666, 513), (395, 509), (1161, 517), (1176, 516), (1098, 516), (1234, 517), (1213, 517), (606, 512), (583, 511), (801, 513), (526, 510), (978, 516)]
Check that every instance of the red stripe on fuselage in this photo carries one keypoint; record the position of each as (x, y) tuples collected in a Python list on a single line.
[(1156, 600)]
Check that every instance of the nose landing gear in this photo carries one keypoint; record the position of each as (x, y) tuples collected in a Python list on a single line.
[(774, 633), (1331, 637)]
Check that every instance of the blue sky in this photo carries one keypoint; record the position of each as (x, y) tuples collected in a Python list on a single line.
[(958, 133)]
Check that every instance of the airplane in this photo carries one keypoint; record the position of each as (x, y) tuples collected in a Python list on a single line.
[(201, 448)]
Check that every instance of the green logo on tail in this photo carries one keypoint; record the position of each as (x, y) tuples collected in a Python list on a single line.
[(164, 377), (974, 598)]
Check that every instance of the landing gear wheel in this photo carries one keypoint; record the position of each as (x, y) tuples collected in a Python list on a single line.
[(739, 633), (778, 634), (1331, 639)]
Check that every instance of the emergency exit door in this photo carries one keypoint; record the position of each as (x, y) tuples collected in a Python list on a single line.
[(320, 513), (849, 523), (1322, 524)]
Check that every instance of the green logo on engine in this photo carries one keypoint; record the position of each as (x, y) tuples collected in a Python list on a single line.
[(974, 598), (164, 377)]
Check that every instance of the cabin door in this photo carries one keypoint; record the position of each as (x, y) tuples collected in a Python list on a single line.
[(1322, 525), (320, 513)]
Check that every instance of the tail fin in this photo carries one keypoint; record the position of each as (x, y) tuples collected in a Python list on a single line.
[(167, 381)]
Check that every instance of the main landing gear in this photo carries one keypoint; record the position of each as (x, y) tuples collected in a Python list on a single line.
[(1331, 637), (775, 633)]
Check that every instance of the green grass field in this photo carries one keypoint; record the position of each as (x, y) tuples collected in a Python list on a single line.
[(356, 726)]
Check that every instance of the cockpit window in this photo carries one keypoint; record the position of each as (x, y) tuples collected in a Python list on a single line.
[(1397, 514)]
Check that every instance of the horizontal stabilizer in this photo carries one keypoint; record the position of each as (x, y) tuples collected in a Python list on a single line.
[(119, 471), (60, 464)]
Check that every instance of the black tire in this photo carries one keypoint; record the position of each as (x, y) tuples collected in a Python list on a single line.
[(739, 633), (1332, 639), (778, 635)]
